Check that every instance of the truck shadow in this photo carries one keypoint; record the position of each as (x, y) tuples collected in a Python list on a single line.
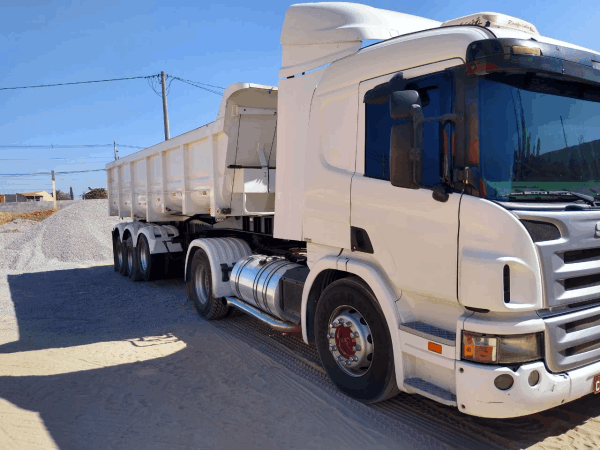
[(190, 385), (67, 308)]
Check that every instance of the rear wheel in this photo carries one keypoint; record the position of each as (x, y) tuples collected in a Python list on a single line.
[(199, 289), (151, 267), (354, 342), (123, 258), (117, 257), (133, 266)]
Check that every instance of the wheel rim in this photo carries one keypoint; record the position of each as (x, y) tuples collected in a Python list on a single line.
[(120, 256), (350, 341), (144, 257), (202, 284), (130, 261)]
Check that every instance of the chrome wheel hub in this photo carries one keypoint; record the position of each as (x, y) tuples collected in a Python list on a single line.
[(202, 284), (144, 257), (350, 341)]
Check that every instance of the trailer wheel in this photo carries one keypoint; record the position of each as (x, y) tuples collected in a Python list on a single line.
[(123, 258), (151, 267), (133, 265), (354, 342), (117, 257), (199, 289)]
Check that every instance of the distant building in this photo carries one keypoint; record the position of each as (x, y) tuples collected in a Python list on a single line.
[(40, 196), (11, 198)]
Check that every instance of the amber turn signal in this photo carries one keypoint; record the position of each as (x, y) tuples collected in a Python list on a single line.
[(433, 347)]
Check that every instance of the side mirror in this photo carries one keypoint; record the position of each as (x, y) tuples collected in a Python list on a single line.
[(406, 140), (402, 103)]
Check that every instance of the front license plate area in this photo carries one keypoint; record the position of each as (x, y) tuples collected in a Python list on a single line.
[(596, 387)]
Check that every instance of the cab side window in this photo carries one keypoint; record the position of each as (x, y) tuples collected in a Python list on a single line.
[(436, 92)]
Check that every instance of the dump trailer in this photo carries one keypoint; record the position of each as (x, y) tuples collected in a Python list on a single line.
[(423, 209)]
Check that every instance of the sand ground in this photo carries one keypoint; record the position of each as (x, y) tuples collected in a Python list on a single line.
[(91, 360)]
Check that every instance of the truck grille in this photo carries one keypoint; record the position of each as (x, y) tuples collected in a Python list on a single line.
[(571, 261), (573, 339), (571, 283)]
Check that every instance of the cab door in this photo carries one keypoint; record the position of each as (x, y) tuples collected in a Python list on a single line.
[(414, 237)]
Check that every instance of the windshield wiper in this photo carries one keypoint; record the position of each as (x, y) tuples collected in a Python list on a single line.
[(587, 198)]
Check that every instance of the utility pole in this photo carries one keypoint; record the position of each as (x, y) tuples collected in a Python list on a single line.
[(115, 147), (165, 111), (54, 191), (71, 192)]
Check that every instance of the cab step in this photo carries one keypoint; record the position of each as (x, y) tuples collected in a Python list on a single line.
[(430, 390), (430, 332)]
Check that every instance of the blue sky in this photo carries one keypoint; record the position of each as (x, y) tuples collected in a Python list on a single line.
[(45, 42)]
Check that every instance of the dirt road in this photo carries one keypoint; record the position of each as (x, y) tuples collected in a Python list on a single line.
[(89, 359)]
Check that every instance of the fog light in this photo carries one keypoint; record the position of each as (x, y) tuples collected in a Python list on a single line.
[(534, 378), (504, 382)]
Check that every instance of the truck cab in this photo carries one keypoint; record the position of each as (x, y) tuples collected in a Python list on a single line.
[(476, 218)]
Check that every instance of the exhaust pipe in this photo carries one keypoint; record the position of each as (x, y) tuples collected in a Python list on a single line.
[(276, 324)]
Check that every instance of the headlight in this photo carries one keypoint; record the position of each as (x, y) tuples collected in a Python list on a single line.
[(491, 349)]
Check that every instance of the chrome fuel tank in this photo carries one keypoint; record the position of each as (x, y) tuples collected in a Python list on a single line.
[(255, 280)]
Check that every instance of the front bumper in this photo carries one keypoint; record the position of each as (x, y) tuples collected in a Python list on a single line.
[(477, 395)]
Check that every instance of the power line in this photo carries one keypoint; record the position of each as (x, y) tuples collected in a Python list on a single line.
[(48, 173), (76, 82), (196, 84), (69, 146), (76, 160)]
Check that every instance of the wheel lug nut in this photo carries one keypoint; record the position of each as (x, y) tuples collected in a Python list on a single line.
[(355, 334), (331, 335), (348, 361), (333, 348), (356, 348), (341, 320), (355, 358), (340, 358), (334, 325)]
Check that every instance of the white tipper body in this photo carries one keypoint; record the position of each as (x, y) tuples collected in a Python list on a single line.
[(424, 268)]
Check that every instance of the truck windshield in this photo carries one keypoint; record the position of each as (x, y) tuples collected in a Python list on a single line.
[(538, 134)]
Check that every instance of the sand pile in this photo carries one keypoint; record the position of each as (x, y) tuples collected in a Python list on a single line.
[(80, 233)]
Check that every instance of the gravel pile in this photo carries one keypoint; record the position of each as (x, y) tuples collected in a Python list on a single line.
[(80, 233), (12, 230)]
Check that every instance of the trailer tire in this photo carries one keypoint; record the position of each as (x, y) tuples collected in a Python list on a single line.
[(123, 249), (364, 335), (151, 266), (116, 254), (133, 265), (199, 289)]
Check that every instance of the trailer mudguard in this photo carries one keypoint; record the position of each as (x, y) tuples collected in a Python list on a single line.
[(219, 251), (159, 237)]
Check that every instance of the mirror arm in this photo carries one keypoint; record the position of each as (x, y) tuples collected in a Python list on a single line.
[(456, 119)]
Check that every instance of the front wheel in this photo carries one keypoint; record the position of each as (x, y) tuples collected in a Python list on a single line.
[(354, 342)]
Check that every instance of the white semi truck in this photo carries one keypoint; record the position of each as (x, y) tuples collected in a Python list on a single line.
[(424, 209)]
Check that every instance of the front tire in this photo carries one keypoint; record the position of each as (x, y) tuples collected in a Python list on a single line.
[(354, 343), (199, 289)]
